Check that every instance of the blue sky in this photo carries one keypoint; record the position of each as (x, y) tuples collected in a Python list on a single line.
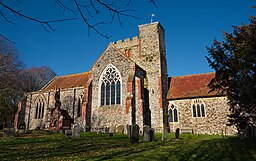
[(190, 26)]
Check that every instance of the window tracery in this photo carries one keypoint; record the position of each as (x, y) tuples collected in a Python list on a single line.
[(173, 114), (198, 108), (39, 113), (110, 86)]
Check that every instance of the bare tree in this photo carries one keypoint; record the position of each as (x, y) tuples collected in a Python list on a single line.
[(34, 78), (15, 80), (89, 11), (10, 65)]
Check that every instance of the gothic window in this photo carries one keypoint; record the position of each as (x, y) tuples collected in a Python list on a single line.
[(79, 105), (39, 112), (173, 114), (198, 109), (110, 86)]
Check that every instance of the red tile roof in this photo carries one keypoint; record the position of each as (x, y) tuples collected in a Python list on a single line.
[(68, 81), (190, 86)]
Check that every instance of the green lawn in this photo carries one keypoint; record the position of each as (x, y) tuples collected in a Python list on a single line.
[(92, 146)]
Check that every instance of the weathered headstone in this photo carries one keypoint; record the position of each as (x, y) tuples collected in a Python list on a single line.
[(111, 131), (146, 134), (8, 132), (76, 131), (128, 128), (134, 134), (177, 133), (125, 130), (120, 129), (152, 134)]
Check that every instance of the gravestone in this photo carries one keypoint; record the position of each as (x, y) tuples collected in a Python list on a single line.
[(177, 133), (134, 134), (128, 129), (76, 131), (148, 134), (8, 132), (120, 129), (152, 134), (111, 131)]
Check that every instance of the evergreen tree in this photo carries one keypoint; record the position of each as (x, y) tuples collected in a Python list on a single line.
[(234, 61)]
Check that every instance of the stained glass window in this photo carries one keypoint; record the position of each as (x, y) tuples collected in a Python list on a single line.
[(110, 83)]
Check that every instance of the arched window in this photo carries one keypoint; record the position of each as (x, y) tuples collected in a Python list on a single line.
[(110, 86), (173, 114), (39, 112), (198, 109)]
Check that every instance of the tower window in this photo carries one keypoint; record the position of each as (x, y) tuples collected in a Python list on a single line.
[(110, 86)]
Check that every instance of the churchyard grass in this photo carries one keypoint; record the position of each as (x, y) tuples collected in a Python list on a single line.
[(92, 146)]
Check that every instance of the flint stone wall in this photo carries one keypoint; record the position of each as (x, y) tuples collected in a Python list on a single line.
[(66, 98), (214, 122)]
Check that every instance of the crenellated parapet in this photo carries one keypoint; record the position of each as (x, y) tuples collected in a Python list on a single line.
[(127, 43)]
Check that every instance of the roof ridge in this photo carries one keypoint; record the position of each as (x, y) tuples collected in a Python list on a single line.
[(74, 74), (190, 75)]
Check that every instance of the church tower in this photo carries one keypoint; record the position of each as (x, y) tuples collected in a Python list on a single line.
[(152, 58)]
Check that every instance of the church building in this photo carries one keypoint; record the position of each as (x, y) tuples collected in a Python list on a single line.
[(128, 84)]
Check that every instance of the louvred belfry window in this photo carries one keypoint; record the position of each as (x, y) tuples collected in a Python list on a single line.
[(110, 86)]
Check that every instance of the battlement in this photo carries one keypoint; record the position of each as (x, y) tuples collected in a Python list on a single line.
[(128, 42)]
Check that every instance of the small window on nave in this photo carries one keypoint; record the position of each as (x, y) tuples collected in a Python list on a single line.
[(39, 111), (173, 114), (110, 86), (198, 108)]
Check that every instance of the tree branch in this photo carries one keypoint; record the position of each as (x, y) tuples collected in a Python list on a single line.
[(87, 23), (43, 23)]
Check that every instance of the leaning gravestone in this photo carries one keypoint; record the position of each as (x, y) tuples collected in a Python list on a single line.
[(134, 134), (76, 131)]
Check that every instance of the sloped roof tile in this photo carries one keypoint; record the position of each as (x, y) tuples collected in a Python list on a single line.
[(68, 81), (190, 86)]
